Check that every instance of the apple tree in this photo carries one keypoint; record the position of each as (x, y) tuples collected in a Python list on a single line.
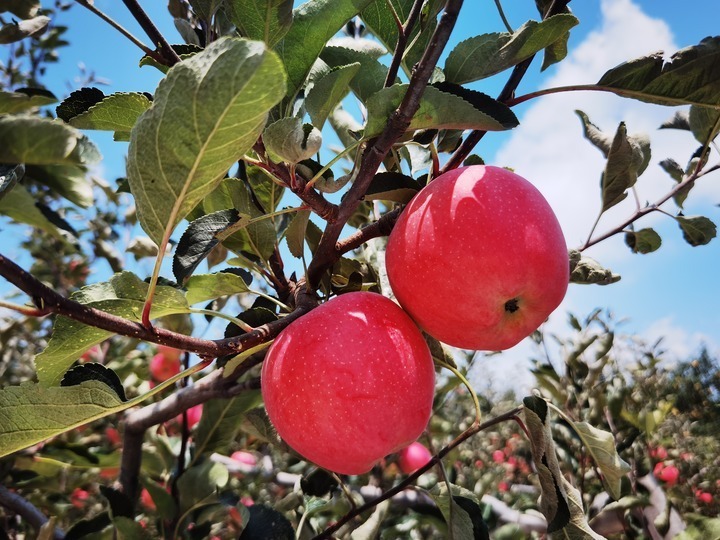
[(295, 170)]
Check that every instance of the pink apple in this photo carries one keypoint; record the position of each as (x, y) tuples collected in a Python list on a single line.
[(412, 457), (478, 258), (704, 497), (349, 383), (244, 457), (162, 367), (498, 456)]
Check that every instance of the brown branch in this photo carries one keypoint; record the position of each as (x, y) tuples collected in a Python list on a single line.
[(137, 422), (655, 207), (26, 510), (326, 253), (404, 32), (472, 430), (169, 56), (381, 227)]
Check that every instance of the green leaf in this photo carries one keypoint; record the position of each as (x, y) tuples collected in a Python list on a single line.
[(126, 528), (183, 50), (264, 20), (700, 528), (328, 91), (41, 141), (601, 446), (31, 413), (691, 76), (460, 524), (124, 296), (643, 241), (677, 173), (437, 110), (25, 9), (24, 99), (295, 233), (207, 112), (204, 287), (19, 30), (206, 9), (93, 371), (291, 141), (697, 230), (69, 181), (704, 123), (117, 112), (198, 241), (680, 120), (391, 186), (345, 126), (314, 23), (371, 76), (10, 175), (559, 502), (267, 191), (164, 502), (199, 484), (221, 421), (585, 271), (488, 54), (593, 134), (19, 205), (626, 160)]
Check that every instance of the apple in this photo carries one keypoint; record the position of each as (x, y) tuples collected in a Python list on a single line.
[(703, 496), (163, 366), (244, 457), (666, 473), (478, 258), (412, 457), (349, 383), (146, 500), (498, 456)]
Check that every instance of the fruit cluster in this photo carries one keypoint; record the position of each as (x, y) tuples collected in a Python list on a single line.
[(477, 260)]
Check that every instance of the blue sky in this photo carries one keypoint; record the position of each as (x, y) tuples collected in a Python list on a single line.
[(670, 293)]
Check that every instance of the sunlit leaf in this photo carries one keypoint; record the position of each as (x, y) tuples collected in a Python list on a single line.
[(122, 295), (221, 421), (328, 91), (265, 20), (371, 76), (207, 112), (18, 30), (485, 55), (204, 287), (24, 99), (117, 112)]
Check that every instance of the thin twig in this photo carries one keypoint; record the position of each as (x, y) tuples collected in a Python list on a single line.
[(404, 32), (499, 7), (472, 430), (381, 227), (169, 56), (25, 509)]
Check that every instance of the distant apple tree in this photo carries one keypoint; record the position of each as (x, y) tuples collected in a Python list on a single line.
[(263, 176)]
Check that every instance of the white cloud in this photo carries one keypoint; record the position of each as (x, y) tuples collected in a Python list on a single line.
[(677, 342), (549, 150)]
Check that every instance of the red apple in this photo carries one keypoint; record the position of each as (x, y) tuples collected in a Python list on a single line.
[(498, 456), (412, 457), (162, 367), (666, 473), (146, 500), (704, 497), (478, 258), (349, 383)]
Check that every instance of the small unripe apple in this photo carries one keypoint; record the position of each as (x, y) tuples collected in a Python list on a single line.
[(349, 383), (412, 457), (162, 367), (478, 258)]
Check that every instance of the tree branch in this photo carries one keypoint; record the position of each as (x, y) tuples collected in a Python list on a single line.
[(137, 422), (25, 509), (472, 430), (404, 32), (169, 56), (381, 227), (326, 253)]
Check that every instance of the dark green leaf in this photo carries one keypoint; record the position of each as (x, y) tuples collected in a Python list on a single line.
[(314, 23), (680, 120), (120, 504), (594, 135), (295, 233), (78, 102), (626, 160), (25, 9), (266, 523), (643, 241), (69, 181), (697, 230), (24, 99), (264, 20), (19, 205), (183, 50), (328, 91), (371, 77), (392, 186), (437, 110), (198, 240), (199, 484), (93, 371), (221, 421), (459, 523), (86, 527), (255, 316), (691, 76), (19, 30), (485, 55), (117, 112), (677, 173)]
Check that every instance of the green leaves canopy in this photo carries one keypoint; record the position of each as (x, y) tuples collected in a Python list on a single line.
[(207, 113)]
